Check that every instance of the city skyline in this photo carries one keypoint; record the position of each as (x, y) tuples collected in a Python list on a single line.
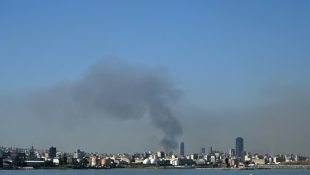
[(126, 76), (34, 158), (239, 145), (52, 151)]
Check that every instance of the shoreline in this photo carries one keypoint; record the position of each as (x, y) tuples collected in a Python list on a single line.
[(259, 167)]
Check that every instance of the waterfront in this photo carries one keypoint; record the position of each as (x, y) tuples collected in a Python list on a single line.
[(155, 172)]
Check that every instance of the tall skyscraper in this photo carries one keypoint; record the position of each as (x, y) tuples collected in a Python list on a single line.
[(52, 152), (182, 149), (239, 146), (209, 150), (31, 153), (203, 150)]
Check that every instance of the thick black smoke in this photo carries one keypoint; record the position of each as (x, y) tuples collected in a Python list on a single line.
[(114, 89)]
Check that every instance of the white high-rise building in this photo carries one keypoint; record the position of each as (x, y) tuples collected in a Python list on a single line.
[(232, 152)]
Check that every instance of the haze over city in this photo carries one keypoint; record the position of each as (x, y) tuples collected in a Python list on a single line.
[(133, 76)]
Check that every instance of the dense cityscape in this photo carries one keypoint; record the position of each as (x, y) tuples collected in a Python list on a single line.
[(236, 158)]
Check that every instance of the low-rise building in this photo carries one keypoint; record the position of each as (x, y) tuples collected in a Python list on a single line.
[(260, 161), (34, 162), (201, 162), (194, 156), (247, 158), (233, 162), (175, 162)]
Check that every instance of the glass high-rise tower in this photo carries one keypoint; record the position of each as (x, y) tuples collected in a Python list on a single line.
[(182, 149), (239, 146)]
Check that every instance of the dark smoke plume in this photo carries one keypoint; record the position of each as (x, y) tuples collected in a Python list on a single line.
[(114, 89)]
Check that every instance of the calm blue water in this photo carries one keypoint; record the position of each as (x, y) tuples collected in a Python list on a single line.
[(155, 172)]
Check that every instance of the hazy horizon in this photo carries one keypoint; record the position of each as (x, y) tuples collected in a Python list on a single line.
[(133, 76)]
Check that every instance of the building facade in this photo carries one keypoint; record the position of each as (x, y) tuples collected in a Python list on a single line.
[(239, 146), (182, 149), (31, 153), (203, 150), (52, 152), (209, 150), (232, 152), (160, 154)]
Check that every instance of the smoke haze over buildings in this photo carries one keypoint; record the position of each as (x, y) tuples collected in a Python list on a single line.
[(112, 89), (112, 92)]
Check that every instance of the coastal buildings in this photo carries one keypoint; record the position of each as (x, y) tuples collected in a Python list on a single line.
[(78, 154), (215, 158)]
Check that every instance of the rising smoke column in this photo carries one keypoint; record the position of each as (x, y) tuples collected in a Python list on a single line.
[(162, 119), (114, 89)]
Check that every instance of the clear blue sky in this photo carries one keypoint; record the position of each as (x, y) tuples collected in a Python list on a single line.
[(222, 54)]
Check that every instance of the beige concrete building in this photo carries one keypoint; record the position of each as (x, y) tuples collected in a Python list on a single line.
[(160, 154), (260, 161), (233, 162)]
